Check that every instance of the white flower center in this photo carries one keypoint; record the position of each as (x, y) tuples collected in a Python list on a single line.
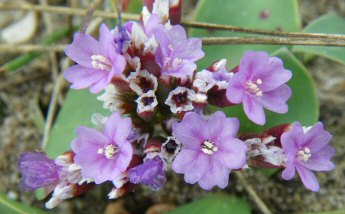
[(208, 147), (304, 154), (176, 62), (101, 62), (252, 87), (170, 63), (108, 151)]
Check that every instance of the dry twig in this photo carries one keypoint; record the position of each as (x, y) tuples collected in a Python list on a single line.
[(205, 41), (268, 40), (65, 11), (30, 48), (187, 23), (51, 110), (252, 193), (211, 26)]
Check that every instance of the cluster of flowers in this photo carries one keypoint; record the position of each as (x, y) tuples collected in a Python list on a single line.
[(158, 122)]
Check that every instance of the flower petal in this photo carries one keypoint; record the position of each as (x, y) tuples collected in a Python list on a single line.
[(316, 138), (235, 91), (318, 164), (118, 128), (183, 159), (191, 50), (215, 123), (118, 65), (291, 141), (124, 157), (216, 175), (100, 85), (327, 152), (188, 131), (320, 161), (177, 36), (275, 100), (196, 169), (220, 126), (253, 110), (289, 171), (274, 75), (186, 68), (107, 171), (88, 137), (106, 41), (82, 77), (253, 63), (231, 152), (82, 48), (308, 178)]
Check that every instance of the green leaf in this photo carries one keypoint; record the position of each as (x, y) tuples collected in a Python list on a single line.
[(243, 14), (330, 23), (303, 105), (8, 206), (76, 111), (215, 203), (134, 6)]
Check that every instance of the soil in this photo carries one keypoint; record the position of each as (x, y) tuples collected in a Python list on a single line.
[(24, 100)]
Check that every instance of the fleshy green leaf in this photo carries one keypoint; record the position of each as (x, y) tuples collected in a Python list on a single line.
[(303, 105), (134, 6), (215, 203), (8, 206), (243, 14), (76, 111), (330, 23)]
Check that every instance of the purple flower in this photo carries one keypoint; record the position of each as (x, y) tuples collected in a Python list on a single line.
[(38, 171), (306, 150), (98, 61), (121, 38), (149, 173), (210, 149), (104, 156), (206, 80), (176, 54), (259, 84)]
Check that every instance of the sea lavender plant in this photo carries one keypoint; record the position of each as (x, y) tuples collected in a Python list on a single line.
[(159, 114)]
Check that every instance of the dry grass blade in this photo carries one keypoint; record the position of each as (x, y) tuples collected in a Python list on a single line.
[(252, 193), (211, 26), (31, 48), (268, 40), (66, 11), (187, 23)]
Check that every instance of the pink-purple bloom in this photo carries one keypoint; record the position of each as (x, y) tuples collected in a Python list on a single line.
[(38, 171), (258, 84), (210, 149), (121, 38), (97, 61), (104, 156), (307, 150), (176, 53), (150, 173)]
